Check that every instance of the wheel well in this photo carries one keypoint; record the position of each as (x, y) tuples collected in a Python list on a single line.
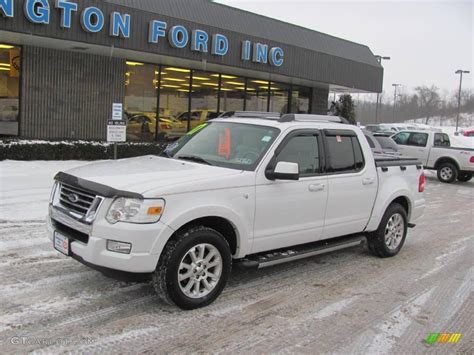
[(222, 225), (402, 200), (446, 160)]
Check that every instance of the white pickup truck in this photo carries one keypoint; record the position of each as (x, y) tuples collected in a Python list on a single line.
[(434, 150), (249, 191)]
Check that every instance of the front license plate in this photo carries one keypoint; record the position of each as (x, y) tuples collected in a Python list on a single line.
[(61, 243)]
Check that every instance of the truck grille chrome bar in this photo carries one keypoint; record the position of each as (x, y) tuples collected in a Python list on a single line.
[(75, 199), (77, 202)]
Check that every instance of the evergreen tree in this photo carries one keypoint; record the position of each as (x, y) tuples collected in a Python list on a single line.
[(346, 108)]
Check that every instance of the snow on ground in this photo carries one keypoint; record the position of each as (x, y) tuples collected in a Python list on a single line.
[(25, 187)]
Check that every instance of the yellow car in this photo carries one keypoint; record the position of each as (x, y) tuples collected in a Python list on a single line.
[(197, 117), (141, 127)]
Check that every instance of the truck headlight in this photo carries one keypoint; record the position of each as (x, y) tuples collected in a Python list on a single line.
[(135, 211), (54, 192)]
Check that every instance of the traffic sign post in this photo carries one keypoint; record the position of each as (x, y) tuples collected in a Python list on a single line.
[(116, 127)]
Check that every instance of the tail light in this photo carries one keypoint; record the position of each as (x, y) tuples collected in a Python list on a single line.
[(471, 160), (165, 126), (421, 182)]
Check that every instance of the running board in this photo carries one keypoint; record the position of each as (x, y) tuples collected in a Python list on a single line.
[(259, 261)]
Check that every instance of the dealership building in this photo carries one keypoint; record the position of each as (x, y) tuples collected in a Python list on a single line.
[(64, 64)]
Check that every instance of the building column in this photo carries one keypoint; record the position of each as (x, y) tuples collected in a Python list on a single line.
[(68, 95), (319, 101)]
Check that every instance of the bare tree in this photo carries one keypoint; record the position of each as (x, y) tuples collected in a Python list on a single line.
[(429, 100)]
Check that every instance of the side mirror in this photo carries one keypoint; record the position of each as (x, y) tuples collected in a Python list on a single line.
[(284, 171)]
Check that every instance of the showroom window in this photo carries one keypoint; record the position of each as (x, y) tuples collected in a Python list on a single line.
[(204, 97), (141, 83), (300, 99), (279, 96), (9, 89), (186, 98), (232, 94), (174, 101), (257, 95)]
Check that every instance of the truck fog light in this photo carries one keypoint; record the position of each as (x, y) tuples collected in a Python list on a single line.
[(119, 247)]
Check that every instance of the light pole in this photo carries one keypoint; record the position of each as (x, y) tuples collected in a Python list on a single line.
[(395, 98), (461, 72), (379, 59)]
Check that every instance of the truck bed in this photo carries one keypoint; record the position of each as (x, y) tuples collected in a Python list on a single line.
[(388, 160)]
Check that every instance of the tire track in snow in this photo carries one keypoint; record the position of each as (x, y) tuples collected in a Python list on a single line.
[(446, 258), (388, 332), (20, 244), (24, 286), (59, 306)]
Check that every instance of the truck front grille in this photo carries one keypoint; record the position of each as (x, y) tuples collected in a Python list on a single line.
[(75, 199)]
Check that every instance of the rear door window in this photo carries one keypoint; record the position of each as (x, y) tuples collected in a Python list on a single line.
[(344, 154), (418, 139), (441, 140)]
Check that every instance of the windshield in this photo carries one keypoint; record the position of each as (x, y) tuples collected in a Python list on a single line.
[(229, 145)]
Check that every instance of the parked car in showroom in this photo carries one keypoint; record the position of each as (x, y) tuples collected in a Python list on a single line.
[(434, 150), (248, 191), (142, 127), (196, 117)]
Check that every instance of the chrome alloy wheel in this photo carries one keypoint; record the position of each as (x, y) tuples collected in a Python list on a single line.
[(446, 173), (200, 270), (394, 231)]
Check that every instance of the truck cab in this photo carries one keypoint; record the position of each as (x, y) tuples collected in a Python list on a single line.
[(434, 150)]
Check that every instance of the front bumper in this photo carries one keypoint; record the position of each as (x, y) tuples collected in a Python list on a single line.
[(89, 241)]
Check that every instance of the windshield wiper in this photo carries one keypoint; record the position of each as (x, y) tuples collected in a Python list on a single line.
[(194, 158)]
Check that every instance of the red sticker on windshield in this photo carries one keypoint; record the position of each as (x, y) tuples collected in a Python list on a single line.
[(338, 139), (224, 144)]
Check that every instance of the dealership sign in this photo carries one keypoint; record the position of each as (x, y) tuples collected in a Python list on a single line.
[(93, 20)]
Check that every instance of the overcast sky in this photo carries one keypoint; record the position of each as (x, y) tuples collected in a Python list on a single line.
[(427, 40)]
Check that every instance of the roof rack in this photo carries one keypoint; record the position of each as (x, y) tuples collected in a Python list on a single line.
[(312, 118), (251, 114)]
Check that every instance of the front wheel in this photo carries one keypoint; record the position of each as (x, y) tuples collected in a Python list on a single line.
[(447, 173), (464, 177), (193, 268), (390, 236)]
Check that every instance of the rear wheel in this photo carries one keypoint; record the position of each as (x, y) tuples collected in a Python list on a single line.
[(447, 172), (193, 268), (390, 236), (464, 177)]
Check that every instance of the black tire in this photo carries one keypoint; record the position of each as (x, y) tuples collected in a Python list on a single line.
[(377, 241), (464, 177), (165, 278), (447, 172)]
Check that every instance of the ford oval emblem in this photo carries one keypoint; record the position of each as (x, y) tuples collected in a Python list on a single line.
[(73, 198)]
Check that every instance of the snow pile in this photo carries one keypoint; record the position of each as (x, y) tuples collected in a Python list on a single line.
[(9, 143), (25, 188), (466, 120)]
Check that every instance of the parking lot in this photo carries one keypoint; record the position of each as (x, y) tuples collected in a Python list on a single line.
[(344, 302)]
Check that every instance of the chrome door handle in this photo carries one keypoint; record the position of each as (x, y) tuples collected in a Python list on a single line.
[(368, 181), (315, 188)]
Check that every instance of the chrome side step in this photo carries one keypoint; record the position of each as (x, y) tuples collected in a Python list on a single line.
[(259, 261)]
